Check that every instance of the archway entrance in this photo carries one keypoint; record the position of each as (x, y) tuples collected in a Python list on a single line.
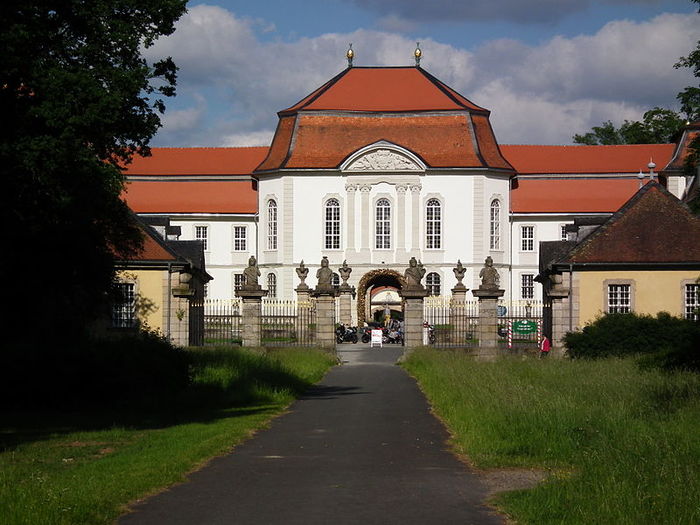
[(377, 291)]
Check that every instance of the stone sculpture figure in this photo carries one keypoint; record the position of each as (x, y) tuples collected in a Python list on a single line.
[(302, 272), (324, 274), (459, 272), (251, 273), (414, 273), (345, 272), (489, 276)]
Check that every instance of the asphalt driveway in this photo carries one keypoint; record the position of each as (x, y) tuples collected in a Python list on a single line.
[(360, 448)]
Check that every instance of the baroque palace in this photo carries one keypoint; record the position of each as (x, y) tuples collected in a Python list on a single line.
[(381, 164)]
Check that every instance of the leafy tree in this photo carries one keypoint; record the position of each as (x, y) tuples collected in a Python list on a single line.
[(657, 126), (77, 100)]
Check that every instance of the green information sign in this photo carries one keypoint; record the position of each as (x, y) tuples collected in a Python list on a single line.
[(524, 326)]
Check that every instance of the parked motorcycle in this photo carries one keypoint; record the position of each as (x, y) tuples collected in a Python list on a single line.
[(392, 336), (346, 334), (366, 334)]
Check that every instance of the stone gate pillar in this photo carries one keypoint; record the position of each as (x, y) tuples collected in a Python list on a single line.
[(345, 296), (251, 295), (488, 322), (413, 317), (325, 307), (488, 294), (251, 314)]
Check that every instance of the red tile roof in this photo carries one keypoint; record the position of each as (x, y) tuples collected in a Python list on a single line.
[(532, 159), (198, 161), (403, 105), (325, 141), (571, 195), (383, 89), (653, 227), (682, 150), (192, 196)]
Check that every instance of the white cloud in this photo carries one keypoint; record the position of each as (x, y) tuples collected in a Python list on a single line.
[(537, 94), (254, 138)]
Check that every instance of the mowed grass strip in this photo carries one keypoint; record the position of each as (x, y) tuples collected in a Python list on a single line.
[(622, 445), (84, 468)]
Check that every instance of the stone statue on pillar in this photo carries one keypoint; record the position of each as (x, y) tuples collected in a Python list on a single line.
[(251, 274), (324, 275), (490, 279), (459, 272), (345, 272), (302, 272), (414, 273)]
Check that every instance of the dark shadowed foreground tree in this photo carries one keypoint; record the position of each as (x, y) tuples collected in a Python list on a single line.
[(77, 99)]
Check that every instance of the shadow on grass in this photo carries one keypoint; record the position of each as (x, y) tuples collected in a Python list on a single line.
[(224, 383)]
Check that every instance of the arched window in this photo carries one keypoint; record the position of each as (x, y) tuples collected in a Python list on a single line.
[(382, 225), (495, 226), (271, 285), (433, 225), (432, 283), (335, 280), (271, 225), (332, 225)]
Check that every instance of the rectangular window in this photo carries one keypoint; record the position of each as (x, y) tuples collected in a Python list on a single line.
[(238, 281), (692, 302), (240, 238), (563, 232), (619, 300), (123, 307), (201, 233), (383, 225), (527, 286), (527, 238)]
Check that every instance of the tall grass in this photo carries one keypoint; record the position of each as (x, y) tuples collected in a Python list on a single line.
[(85, 467), (622, 446)]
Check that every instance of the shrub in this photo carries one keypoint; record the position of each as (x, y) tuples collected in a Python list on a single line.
[(668, 341)]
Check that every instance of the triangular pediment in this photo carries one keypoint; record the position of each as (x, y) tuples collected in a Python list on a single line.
[(382, 157)]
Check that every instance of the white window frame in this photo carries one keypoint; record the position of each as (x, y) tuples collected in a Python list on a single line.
[(527, 285), (433, 224), (691, 301), (124, 311), (382, 224), (271, 285), (272, 223), (619, 298), (198, 230), (238, 280), (495, 225), (240, 242), (331, 224), (527, 242), (433, 283)]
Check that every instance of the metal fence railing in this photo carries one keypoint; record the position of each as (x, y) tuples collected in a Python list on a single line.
[(222, 322), (452, 323), (520, 324), (288, 323)]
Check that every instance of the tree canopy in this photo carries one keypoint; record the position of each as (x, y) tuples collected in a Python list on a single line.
[(78, 99), (657, 126)]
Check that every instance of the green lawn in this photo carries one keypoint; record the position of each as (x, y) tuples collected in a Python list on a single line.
[(84, 468), (621, 445)]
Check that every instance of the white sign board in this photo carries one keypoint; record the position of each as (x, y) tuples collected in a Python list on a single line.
[(376, 338)]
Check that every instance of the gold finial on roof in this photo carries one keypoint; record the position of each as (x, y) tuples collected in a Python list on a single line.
[(417, 54), (350, 55)]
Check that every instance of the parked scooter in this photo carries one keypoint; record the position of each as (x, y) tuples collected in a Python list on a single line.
[(346, 334)]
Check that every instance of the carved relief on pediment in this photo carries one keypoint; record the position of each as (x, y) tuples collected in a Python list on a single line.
[(383, 160)]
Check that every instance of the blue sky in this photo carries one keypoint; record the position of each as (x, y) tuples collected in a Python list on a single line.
[(546, 69)]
